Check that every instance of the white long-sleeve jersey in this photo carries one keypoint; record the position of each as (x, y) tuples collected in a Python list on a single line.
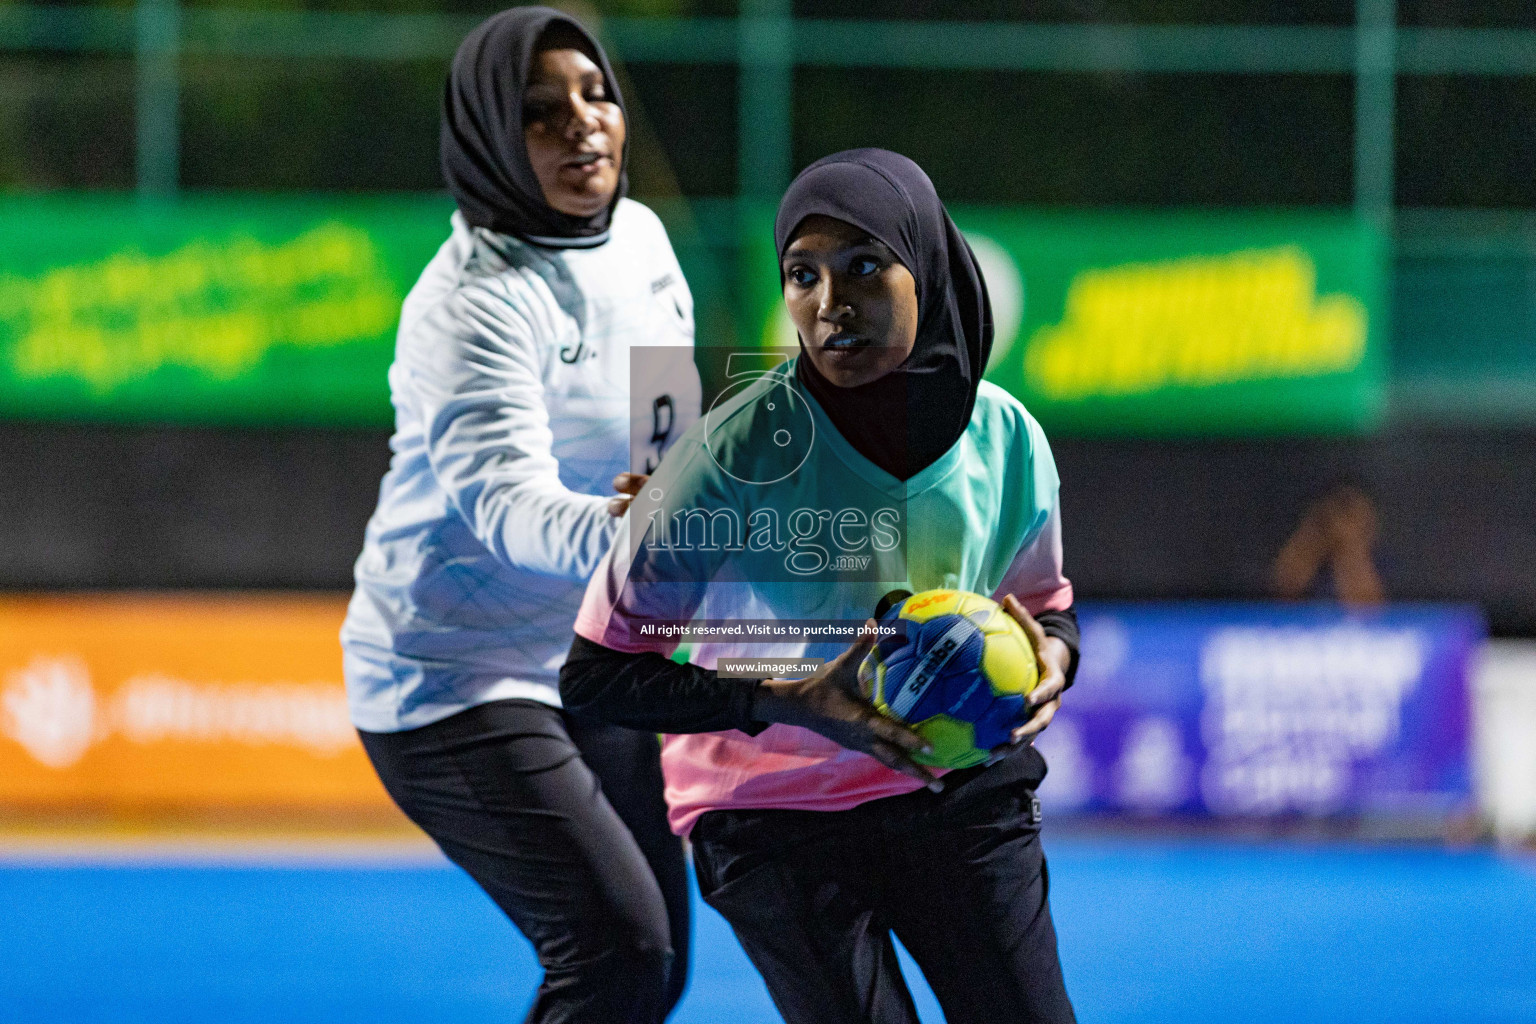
[(514, 410)]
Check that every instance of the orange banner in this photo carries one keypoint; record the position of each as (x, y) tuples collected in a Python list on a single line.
[(178, 701)]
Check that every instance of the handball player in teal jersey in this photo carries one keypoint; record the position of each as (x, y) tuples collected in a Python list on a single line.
[(875, 460)]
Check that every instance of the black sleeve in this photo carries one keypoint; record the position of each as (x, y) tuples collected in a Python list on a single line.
[(1063, 626), (648, 691)]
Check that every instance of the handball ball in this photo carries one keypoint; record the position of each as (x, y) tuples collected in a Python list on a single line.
[(958, 677)]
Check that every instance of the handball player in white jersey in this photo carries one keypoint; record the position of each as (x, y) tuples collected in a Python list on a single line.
[(513, 409)]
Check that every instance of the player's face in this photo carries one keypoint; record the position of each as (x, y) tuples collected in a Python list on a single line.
[(852, 301), (574, 132)]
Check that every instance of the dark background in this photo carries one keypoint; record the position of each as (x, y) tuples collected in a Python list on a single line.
[(1143, 139), (85, 507)]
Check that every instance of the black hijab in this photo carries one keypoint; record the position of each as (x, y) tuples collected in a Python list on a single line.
[(904, 421), (484, 158)]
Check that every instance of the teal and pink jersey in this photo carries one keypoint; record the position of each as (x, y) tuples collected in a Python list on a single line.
[(762, 512)]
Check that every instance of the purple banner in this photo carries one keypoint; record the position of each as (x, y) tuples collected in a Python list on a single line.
[(1252, 710)]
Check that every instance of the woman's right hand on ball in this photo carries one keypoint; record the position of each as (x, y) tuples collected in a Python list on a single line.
[(832, 704)]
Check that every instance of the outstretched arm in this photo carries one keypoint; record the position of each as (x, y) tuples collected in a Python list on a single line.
[(648, 691)]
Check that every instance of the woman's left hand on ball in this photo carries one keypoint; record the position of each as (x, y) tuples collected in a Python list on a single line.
[(1053, 657)]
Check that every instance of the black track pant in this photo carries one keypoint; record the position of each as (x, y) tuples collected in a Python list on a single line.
[(959, 877), (562, 823)]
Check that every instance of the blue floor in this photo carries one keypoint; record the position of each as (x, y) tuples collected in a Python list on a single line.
[(1187, 932)]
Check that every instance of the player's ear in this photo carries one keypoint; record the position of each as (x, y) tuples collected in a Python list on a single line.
[(889, 601)]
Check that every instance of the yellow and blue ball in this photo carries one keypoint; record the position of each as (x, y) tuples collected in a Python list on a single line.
[(958, 677)]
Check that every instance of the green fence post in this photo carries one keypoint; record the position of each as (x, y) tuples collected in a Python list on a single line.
[(764, 113), (1375, 109), (765, 98), (157, 25)]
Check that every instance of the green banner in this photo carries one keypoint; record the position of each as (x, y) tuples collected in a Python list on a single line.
[(249, 309), (229, 309), (1116, 323)]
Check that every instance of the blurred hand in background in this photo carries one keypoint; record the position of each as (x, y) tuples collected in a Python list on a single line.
[(1340, 528)]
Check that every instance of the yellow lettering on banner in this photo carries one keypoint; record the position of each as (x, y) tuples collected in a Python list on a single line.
[(213, 308), (1195, 322), (178, 702)]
